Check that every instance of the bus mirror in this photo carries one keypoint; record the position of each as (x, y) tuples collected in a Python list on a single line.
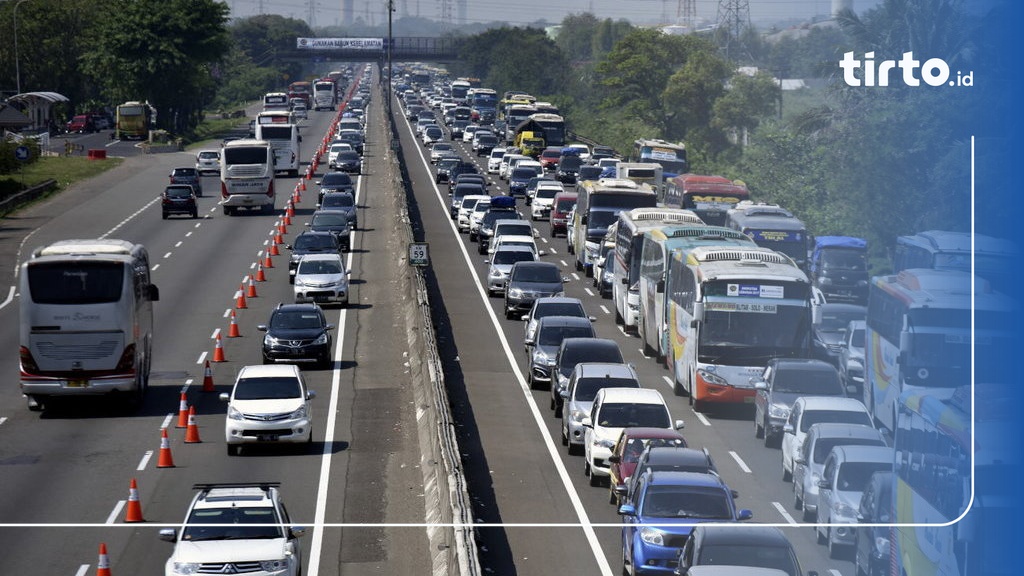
[(698, 311), (583, 219), (906, 340), (660, 287), (154, 293)]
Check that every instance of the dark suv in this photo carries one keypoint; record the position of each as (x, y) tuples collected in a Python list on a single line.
[(297, 333), (335, 182), (179, 199), (319, 242), (528, 281), (187, 176), (782, 382)]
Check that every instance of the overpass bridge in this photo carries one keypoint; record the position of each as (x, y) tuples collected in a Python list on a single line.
[(403, 49)]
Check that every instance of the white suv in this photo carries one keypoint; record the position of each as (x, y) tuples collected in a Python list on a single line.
[(321, 278), (235, 529), (268, 404)]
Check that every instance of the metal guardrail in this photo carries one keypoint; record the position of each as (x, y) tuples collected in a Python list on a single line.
[(25, 196)]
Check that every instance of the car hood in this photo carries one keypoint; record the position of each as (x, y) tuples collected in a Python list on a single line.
[(323, 279), (503, 268), (538, 286), (784, 398), (296, 334), (217, 551), (832, 338)]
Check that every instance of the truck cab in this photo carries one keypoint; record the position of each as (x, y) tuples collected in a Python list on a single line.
[(838, 267)]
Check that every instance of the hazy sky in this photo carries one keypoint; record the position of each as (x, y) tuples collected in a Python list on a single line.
[(521, 12)]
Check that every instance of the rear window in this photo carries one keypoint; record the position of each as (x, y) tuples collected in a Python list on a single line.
[(317, 241), (546, 274), (842, 416), (586, 388), (777, 557), (627, 415), (512, 256), (184, 172), (523, 173), (76, 282), (272, 388), (246, 155), (338, 201)]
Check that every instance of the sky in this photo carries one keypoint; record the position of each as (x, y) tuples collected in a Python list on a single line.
[(522, 12)]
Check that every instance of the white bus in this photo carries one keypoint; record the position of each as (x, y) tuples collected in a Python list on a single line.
[(995, 259), (247, 176), (276, 101), (86, 321), (598, 204), (919, 339), (284, 139), (325, 95), (628, 241), (731, 309)]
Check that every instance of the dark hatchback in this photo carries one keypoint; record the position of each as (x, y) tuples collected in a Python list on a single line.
[(335, 182), (571, 352), (342, 202), (311, 242), (187, 176), (297, 333), (179, 199), (349, 162), (334, 222), (528, 281)]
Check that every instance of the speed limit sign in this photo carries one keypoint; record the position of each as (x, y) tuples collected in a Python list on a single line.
[(419, 254)]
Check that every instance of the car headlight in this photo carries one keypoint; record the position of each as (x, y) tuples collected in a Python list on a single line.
[(652, 536), (269, 340), (186, 567), (495, 273), (299, 281), (778, 411), (233, 413), (540, 357), (882, 546), (321, 339), (712, 378), (842, 509), (826, 281), (300, 413), (273, 565), (605, 443), (577, 415), (815, 478), (515, 292)]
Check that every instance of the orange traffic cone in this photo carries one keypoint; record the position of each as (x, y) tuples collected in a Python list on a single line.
[(260, 275), (218, 350), (192, 432), (103, 564), (287, 219), (251, 289), (281, 228), (240, 299), (207, 381), (302, 183), (290, 211), (233, 327), (165, 460), (182, 412), (272, 251), (267, 262), (278, 239), (133, 512)]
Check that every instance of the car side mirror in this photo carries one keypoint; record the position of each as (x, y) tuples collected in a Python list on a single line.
[(542, 253), (760, 385), (566, 279), (487, 260), (153, 293), (788, 429), (168, 534), (745, 515), (297, 531), (329, 327), (615, 459), (627, 510), (261, 327), (735, 494), (564, 394), (824, 484), (622, 489), (679, 424), (800, 460), (224, 397), (310, 394)]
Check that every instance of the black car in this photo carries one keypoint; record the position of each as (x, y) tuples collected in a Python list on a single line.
[(188, 176), (830, 333), (753, 546), (568, 169), (348, 161), (344, 202), (573, 351), (458, 127), (297, 333), (311, 242), (782, 382), (444, 167), (483, 235), (462, 167), (485, 144), (335, 223), (528, 281), (335, 182), (179, 199)]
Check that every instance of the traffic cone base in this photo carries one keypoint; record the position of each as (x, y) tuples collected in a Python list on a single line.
[(260, 274), (192, 432), (133, 511), (165, 460)]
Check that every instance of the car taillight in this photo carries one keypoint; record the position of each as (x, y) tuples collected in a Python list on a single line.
[(270, 189), (127, 361), (223, 189), (28, 363)]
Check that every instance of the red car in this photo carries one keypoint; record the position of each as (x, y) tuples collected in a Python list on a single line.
[(627, 450), (549, 158), (81, 123)]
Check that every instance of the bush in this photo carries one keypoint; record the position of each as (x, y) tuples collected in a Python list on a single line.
[(8, 163)]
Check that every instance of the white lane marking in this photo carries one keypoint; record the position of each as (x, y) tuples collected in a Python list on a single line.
[(785, 514), (227, 313), (539, 419), (130, 216), (544, 240), (145, 460), (2, 420), (564, 263), (108, 145), (198, 224), (703, 419), (575, 276), (739, 461), (84, 568), (214, 335), (202, 358), (177, 244), (187, 234), (167, 420), (10, 297), (155, 266), (168, 255), (835, 572), (588, 291), (671, 384), (553, 251), (605, 310), (116, 512)]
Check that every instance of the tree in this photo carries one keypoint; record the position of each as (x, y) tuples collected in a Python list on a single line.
[(521, 58), (747, 100)]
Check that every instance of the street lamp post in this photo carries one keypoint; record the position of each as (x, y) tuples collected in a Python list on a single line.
[(17, 62)]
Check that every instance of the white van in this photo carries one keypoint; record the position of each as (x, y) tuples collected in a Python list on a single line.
[(247, 176), (284, 139)]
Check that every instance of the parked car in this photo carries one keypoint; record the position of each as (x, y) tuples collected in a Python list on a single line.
[(297, 333), (179, 199), (613, 410), (578, 398), (321, 278), (843, 480), (236, 524), (665, 508), (188, 176), (627, 451), (810, 460), (808, 410), (782, 382), (268, 404), (752, 546)]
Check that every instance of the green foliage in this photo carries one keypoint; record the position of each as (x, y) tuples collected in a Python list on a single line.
[(262, 37), (8, 163), (524, 58)]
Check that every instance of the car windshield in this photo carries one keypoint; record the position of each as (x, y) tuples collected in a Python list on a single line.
[(854, 476), (857, 340), (232, 524), (777, 557), (178, 192), (841, 416), (185, 172), (824, 445), (209, 155), (338, 201), (686, 502), (835, 321), (808, 382), (553, 335), (586, 388), (320, 267), (295, 321), (630, 414), (559, 309), (546, 192), (315, 241), (508, 257), (544, 274), (267, 388), (523, 173), (570, 163)]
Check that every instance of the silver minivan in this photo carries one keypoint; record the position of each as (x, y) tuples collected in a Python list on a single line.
[(843, 480), (809, 460), (577, 400)]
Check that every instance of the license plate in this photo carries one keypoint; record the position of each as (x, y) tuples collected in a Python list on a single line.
[(320, 299), (268, 437), (78, 383)]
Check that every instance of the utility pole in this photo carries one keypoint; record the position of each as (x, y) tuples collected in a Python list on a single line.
[(17, 62), (390, 92)]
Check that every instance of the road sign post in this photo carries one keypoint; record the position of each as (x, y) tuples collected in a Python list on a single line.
[(22, 154), (419, 254)]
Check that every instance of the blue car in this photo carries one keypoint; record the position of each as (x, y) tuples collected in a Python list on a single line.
[(658, 519)]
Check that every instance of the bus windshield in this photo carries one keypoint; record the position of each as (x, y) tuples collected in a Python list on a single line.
[(69, 283)]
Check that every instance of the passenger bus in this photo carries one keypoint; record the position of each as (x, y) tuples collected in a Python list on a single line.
[(598, 204), (86, 321), (730, 310), (552, 126), (283, 135), (460, 88), (710, 197), (655, 254), (514, 116), (994, 259), (133, 121), (672, 157), (919, 337), (628, 242), (301, 89), (934, 484), (247, 176), (276, 101), (771, 226), (325, 95)]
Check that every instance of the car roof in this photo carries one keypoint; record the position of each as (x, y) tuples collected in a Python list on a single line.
[(604, 369), (557, 300), (843, 430), (831, 403), (268, 370), (537, 265), (723, 570), (331, 257), (675, 456), (515, 238), (857, 453), (674, 478), (631, 395), (249, 496), (744, 535)]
